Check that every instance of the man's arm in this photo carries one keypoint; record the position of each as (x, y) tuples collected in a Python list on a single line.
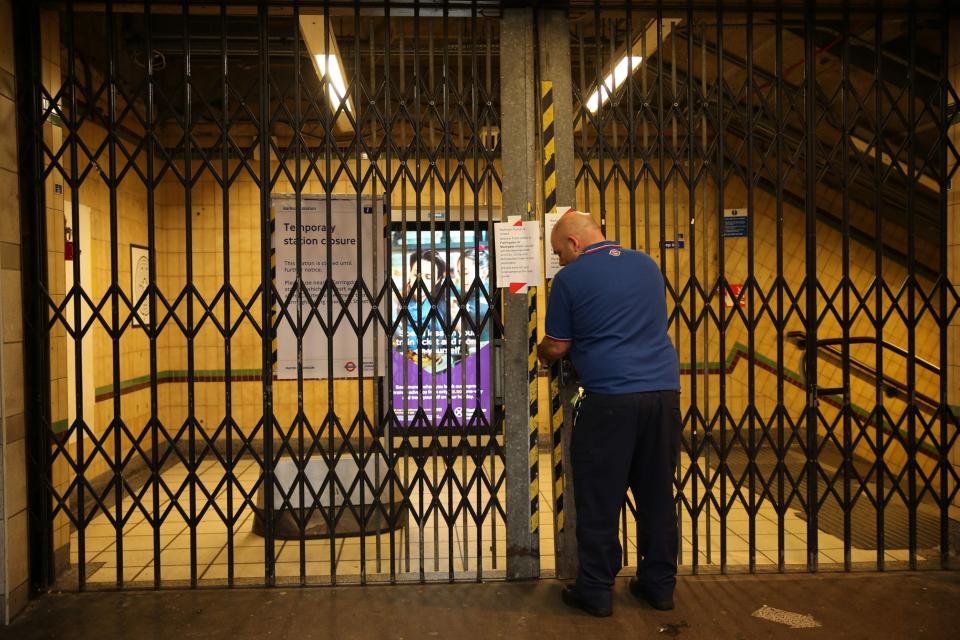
[(558, 325), (550, 350)]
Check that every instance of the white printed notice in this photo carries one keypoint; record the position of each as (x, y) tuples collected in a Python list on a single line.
[(517, 245), (348, 245), (552, 260)]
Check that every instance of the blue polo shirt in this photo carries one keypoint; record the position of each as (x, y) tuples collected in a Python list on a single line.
[(610, 303)]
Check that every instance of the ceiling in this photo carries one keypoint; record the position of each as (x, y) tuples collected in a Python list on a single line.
[(400, 66)]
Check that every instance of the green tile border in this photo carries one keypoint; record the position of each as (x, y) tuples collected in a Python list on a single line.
[(737, 352), (204, 375)]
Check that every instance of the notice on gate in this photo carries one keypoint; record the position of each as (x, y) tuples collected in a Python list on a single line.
[(518, 254), (444, 320), (334, 249), (552, 260)]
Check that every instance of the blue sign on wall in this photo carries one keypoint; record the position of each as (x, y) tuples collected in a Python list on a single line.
[(735, 223), (672, 244)]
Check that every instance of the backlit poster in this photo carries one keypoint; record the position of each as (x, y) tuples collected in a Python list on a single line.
[(441, 349)]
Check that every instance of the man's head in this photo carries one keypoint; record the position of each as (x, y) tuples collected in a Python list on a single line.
[(574, 232)]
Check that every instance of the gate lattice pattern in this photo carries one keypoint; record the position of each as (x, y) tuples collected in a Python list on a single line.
[(178, 127), (790, 172)]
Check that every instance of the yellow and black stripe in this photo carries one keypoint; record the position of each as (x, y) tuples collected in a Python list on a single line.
[(550, 205), (549, 147), (532, 369), (556, 428)]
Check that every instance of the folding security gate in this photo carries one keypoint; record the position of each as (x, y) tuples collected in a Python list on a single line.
[(291, 210), (289, 330), (789, 166)]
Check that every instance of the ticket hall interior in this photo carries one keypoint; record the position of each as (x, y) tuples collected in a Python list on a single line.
[(260, 326)]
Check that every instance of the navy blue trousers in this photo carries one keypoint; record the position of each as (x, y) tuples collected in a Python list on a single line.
[(629, 441)]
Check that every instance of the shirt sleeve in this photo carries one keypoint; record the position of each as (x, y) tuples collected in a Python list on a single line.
[(559, 321)]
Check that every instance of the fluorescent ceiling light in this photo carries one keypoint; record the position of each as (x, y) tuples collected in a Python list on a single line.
[(643, 47), (329, 64), (613, 81), (321, 42)]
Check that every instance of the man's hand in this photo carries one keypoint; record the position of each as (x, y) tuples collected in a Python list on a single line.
[(550, 350)]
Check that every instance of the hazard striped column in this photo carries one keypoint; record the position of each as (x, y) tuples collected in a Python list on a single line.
[(549, 147), (556, 430), (532, 370), (550, 205)]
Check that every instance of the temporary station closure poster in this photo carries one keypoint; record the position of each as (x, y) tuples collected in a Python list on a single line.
[(436, 369), (349, 240)]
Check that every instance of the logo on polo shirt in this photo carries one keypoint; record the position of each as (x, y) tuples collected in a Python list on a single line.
[(614, 252)]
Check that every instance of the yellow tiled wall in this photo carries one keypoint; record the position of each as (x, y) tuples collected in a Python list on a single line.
[(829, 269), (53, 138), (203, 219), (208, 218), (131, 350), (210, 211), (953, 259), (13, 456), (209, 262)]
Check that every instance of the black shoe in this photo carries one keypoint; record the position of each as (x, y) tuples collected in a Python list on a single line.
[(640, 593), (572, 599)]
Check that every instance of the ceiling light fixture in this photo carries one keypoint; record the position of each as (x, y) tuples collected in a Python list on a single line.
[(613, 81), (329, 64), (321, 42), (643, 47)]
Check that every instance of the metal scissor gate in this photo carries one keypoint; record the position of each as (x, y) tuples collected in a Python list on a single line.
[(788, 164), (263, 341)]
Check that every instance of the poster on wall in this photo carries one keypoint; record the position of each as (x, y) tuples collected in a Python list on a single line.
[(139, 281), (441, 349), (550, 259), (350, 243)]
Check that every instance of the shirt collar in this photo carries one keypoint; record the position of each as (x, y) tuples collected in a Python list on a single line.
[(596, 246)]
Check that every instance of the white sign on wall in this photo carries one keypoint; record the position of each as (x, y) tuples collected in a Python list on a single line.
[(139, 281), (351, 253), (551, 260)]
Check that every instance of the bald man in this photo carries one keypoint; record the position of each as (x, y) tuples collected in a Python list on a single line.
[(607, 309)]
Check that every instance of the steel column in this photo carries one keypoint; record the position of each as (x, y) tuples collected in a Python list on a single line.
[(518, 138), (36, 338)]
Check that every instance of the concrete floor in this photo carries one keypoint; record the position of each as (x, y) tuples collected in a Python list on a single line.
[(868, 605)]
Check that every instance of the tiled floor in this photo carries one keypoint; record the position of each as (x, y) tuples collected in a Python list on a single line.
[(435, 551)]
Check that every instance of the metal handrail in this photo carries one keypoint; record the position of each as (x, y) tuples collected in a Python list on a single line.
[(891, 385)]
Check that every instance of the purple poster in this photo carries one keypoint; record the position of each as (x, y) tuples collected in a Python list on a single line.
[(441, 350)]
